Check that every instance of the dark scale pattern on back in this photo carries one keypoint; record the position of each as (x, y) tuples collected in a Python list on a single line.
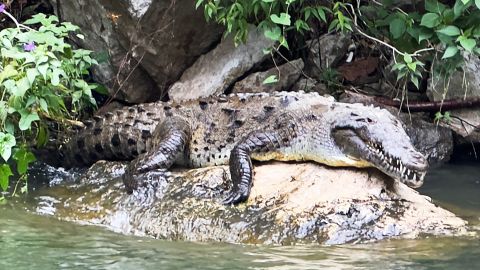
[(216, 124)]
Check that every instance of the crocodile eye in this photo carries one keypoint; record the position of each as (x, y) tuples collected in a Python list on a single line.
[(365, 120)]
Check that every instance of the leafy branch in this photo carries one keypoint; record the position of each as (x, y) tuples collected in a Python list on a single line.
[(41, 78)]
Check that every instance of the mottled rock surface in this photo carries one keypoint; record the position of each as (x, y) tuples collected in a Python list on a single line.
[(462, 84), (286, 74), (144, 45), (326, 52), (215, 71), (435, 141), (289, 203)]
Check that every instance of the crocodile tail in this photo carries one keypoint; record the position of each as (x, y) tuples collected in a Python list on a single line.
[(121, 135)]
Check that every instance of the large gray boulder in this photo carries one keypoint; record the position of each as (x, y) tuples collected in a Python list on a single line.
[(462, 84), (326, 52), (286, 75), (215, 71), (435, 141), (289, 203), (146, 45)]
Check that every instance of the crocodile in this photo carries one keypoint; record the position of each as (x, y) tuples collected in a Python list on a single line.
[(239, 128)]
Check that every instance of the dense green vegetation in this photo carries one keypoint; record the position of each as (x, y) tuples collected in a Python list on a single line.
[(437, 32), (41, 79)]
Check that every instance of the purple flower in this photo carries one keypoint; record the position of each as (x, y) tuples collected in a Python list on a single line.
[(2, 8), (30, 46)]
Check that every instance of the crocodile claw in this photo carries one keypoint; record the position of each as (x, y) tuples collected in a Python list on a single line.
[(236, 197)]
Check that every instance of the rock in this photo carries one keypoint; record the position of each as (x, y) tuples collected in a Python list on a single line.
[(434, 141), (287, 74), (326, 52), (289, 203), (462, 84), (310, 85), (145, 45), (215, 71)]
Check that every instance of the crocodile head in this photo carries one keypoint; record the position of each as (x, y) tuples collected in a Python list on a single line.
[(377, 138)]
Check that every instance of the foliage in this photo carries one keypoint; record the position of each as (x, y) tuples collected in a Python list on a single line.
[(438, 33), (41, 78), (446, 117)]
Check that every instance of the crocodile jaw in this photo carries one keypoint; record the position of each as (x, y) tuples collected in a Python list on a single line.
[(398, 159)]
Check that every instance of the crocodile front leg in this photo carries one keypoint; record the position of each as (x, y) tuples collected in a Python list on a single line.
[(240, 163), (168, 141)]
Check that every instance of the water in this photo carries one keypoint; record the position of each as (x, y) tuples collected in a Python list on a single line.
[(28, 241)]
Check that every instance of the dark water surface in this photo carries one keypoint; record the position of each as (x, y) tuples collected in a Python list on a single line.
[(28, 241)]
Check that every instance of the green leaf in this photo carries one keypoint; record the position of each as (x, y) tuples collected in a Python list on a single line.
[(7, 72), (271, 79), (333, 25), (398, 66), (458, 8), (477, 3), (321, 14), (23, 158), (6, 43), (32, 73), (76, 96), (450, 51), (3, 112), (43, 105), (407, 58), (414, 80), (56, 77), (42, 69), (22, 87), (448, 16), (7, 141), (450, 30), (273, 33), (434, 6), (5, 173), (42, 136), (397, 28), (307, 12), (468, 44), (284, 19), (198, 3), (445, 39), (412, 66), (35, 19), (26, 119), (430, 20)]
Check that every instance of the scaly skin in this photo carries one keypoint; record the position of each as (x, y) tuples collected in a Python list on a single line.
[(235, 129)]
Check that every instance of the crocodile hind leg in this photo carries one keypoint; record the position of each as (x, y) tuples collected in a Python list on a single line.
[(240, 163), (168, 141)]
